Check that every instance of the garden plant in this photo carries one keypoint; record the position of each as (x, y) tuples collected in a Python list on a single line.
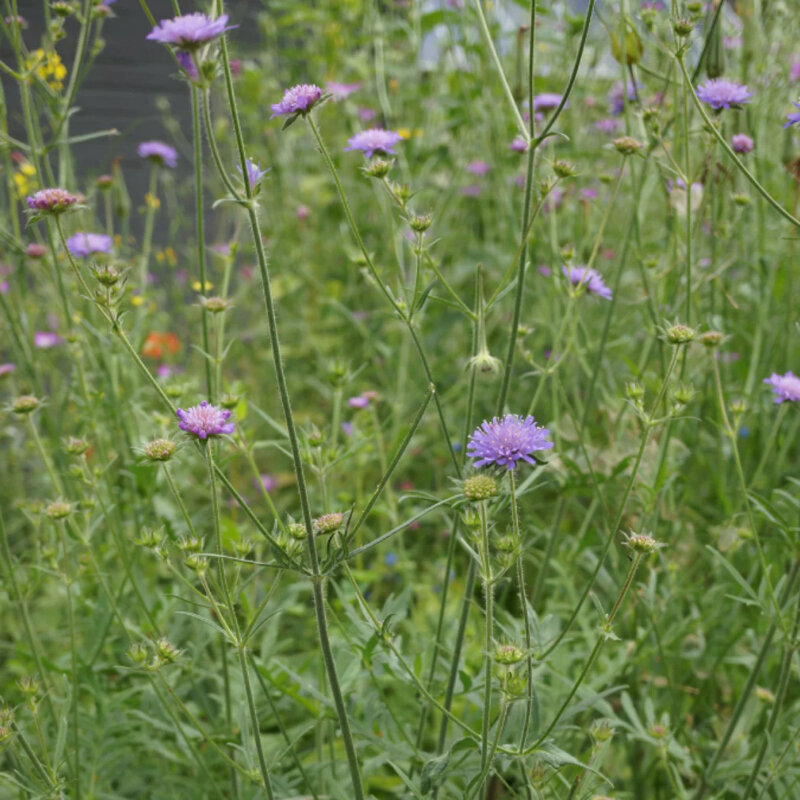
[(427, 428)]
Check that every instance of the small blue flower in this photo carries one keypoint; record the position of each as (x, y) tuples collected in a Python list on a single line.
[(390, 560)]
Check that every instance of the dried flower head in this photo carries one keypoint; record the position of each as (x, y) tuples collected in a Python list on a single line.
[(205, 420), (505, 441), (643, 543), (480, 487)]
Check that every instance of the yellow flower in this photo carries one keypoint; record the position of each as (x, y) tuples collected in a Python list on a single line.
[(48, 68), (137, 300), (24, 179), (197, 286), (152, 201), (405, 133)]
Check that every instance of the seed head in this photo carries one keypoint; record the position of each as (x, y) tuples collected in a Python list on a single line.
[(76, 447), (683, 27), (711, 339), (216, 305), (159, 450), (643, 543), (328, 523), (296, 530), (480, 487), (680, 334), (627, 145), (167, 651), (25, 404), (58, 509)]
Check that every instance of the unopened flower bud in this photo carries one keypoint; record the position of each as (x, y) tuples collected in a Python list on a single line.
[(480, 487), (197, 564), (229, 401), (296, 530), (683, 27), (378, 168), (634, 390), (643, 543), (167, 651), (741, 199), (138, 653), (421, 223), (328, 523), (711, 339), (506, 544), (107, 274), (508, 654), (76, 447), (563, 169)]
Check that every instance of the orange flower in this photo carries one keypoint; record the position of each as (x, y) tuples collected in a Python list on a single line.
[(156, 343)]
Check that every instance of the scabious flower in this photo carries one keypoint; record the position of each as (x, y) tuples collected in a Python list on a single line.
[(341, 91), (53, 200), (546, 101), (374, 140), (189, 31), (361, 401), (7, 369), (158, 153), (478, 167), (44, 340), (794, 119), (720, 93), (606, 125), (742, 143), (786, 387), (519, 145), (505, 441), (254, 173), (205, 420), (616, 97), (187, 62), (589, 278), (82, 244), (299, 99)]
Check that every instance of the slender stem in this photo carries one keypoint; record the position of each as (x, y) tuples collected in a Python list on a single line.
[(687, 166), (251, 705), (151, 203), (523, 128), (197, 139), (488, 633), (212, 142), (523, 600), (745, 499)]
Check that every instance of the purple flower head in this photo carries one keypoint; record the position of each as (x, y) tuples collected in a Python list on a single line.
[(158, 153), (473, 190), (361, 401), (786, 387), (298, 100), (590, 278), (341, 91), (187, 62), (742, 143), (190, 30), (478, 167), (720, 93), (82, 244), (46, 339), (374, 140), (606, 125), (519, 145), (52, 200), (794, 71), (205, 420), (616, 98), (794, 119), (254, 173), (269, 482), (546, 101), (366, 114), (7, 369), (505, 441)]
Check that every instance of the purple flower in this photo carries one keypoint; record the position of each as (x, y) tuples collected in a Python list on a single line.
[(794, 71), (588, 277), (187, 62), (607, 125), (588, 194), (299, 99), (82, 244), (720, 93), (341, 91), (254, 173), (478, 167), (366, 114), (190, 30), (793, 118), (205, 420), (347, 427), (269, 482), (519, 145), (742, 143), (46, 339), (546, 101), (158, 153), (7, 369), (361, 401), (374, 140), (53, 200), (473, 190), (786, 387), (616, 97), (505, 441)]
